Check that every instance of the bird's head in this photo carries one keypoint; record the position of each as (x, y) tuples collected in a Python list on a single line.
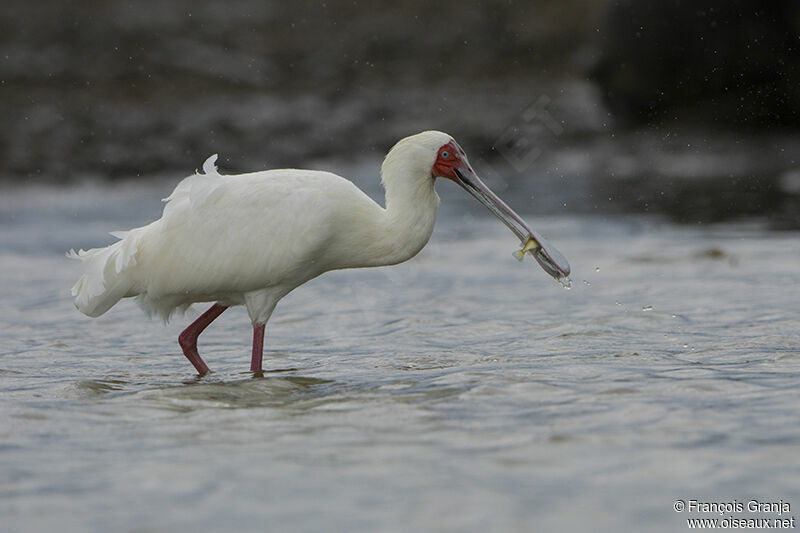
[(433, 154), (451, 162)]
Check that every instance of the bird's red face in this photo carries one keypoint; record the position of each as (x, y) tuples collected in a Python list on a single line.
[(449, 160)]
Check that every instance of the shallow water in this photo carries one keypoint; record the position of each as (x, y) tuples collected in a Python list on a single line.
[(461, 391)]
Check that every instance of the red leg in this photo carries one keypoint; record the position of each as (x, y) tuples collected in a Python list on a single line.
[(258, 347), (188, 337)]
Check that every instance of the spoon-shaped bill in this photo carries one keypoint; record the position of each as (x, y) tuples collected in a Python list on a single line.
[(548, 257)]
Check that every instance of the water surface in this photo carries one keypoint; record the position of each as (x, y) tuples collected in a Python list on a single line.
[(461, 391)]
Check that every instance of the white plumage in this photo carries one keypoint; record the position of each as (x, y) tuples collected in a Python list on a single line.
[(250, 239)]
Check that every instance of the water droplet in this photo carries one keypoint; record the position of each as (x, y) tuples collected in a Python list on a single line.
[(566, 283), (597, 269), (586, 283), (647, 308)]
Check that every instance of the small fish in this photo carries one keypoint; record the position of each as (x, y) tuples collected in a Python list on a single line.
[(530, 244), (548, 257)]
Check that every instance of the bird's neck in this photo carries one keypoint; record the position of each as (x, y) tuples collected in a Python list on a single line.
[(396, 233), (409, 217), (387, 236)]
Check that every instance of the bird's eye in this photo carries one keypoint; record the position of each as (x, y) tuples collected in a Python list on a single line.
[(445, 154)]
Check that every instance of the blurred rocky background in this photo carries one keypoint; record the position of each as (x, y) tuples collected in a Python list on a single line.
[(686, 108)]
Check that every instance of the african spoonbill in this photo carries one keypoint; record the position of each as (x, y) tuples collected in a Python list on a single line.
[(250, 239)]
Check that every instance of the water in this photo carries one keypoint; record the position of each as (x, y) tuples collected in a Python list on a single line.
[(462, 391)]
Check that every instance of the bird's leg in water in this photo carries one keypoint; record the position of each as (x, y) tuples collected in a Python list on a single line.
[(258, 347), (188, 337)]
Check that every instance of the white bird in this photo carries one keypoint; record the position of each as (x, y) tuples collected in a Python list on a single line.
[(250, 239)]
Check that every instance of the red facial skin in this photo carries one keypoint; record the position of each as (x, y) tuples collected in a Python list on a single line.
[(450, 157)]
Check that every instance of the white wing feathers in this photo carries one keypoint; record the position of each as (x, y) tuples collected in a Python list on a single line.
[(210, 166), (199, 189), (223, 237)]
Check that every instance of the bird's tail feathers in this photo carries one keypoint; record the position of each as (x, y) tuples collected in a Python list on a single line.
[(106, 273)]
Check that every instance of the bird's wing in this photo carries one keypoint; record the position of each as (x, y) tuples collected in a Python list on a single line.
[(232, 234), (198, 188)]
